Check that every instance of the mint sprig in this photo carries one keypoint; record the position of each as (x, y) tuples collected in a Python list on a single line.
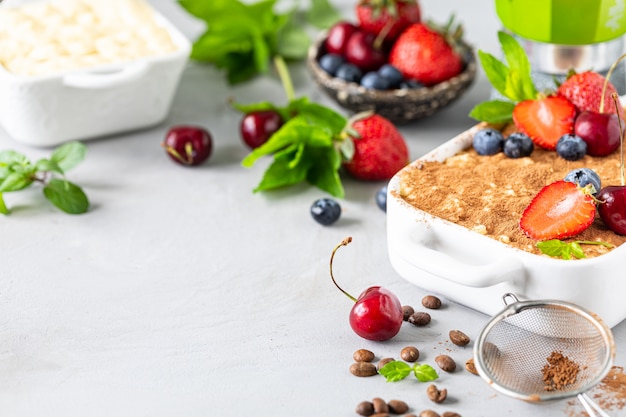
[(397, 370), (567, 250), (242, 38), (512, 80), (17, 172)]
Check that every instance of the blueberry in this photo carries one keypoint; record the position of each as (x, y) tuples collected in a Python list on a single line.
[(375, 81), (326, 211), (571, 147), (409, 84), (518, 145), (488, 141), (381, 198), (331, 63), (584, 176), (392, 74), (349, 72)]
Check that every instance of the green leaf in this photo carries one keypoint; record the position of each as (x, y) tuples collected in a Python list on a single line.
[(319, 115), (425, 373), (495, 70), (322, 14), (46, 165), (8, 157), (395, 371), (565, 250), (15, 181), (281, 174), (68, 155), (494, 111), (66, 196), (324, 173), (293, 43), (3, 207)]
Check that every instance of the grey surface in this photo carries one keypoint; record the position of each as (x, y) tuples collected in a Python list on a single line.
[(182, 293)]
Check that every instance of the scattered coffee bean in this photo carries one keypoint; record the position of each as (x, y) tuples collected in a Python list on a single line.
[(410, 415), (363, 369), (428, 413), (383, 362), (407, 311), (380, 406), (459, 338), (446, 363), (470, 367), (432, 302), (363, 355), (365, 408), (419, 318), (397, 407), (380, 415), (435, 394), (450, 414), (410, 354)]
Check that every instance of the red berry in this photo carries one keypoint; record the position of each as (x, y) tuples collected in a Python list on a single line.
[(338, 36), (257, 127), (376, 18), (612, 209), (584, 90), (188, 145), (599, 130), (545, 120), (360, 51), (561, 209)]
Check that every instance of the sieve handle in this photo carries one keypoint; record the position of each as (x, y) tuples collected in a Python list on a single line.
[(418, 249)]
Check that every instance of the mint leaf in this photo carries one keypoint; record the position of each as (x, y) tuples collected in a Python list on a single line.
[(15, 181), (3, 207), (519, 63), (48, 165), (395, 371), (494, 111), (322, 14), (495, 70), (425, 373), (566, 250), (66, 196), (324, 171), (293, 43), (68, 155)]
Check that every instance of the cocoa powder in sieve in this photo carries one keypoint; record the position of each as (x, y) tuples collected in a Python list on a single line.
[(559, 372)]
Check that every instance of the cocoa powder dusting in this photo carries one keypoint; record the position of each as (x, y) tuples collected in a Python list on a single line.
[(559, 372), (488, 194), (610, 394)]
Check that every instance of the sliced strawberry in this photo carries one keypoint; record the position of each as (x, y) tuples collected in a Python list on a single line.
[(545, 120), (560, 210)]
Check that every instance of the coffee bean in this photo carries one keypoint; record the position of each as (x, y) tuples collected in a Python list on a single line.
[(383, 362), (365, 408), (419, 318), (363, 369), (380, 406), (446, 363), (380, 415), (397, 407), (450, 414), (410, 415), (470, 367), (363, 355), (410, 354), (435, 394), (432, 302), (428, 413), (459, 338), (406, 312)]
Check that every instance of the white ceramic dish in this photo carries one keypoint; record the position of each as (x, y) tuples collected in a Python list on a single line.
[(475, 270), (49, 110)]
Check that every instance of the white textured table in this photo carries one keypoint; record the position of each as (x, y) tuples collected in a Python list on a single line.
[(181, 293)]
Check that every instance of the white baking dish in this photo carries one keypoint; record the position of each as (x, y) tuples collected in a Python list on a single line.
[(49, 110), (475, 270)]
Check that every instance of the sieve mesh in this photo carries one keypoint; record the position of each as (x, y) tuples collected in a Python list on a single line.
[(513, 349)]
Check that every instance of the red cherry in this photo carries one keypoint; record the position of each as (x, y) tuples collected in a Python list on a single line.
[(188, 145), (612, 210), (600, 131), (338, 36), (361, 51), (377, 313), (257, 127)]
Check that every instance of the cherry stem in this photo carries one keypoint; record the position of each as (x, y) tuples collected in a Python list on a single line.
[(621, 137), (606, 81), (285, 79), (344, 242)]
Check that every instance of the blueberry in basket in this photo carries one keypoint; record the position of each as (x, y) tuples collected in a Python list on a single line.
[(392, 62)]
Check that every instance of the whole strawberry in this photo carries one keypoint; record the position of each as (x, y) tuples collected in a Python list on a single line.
[(379, 150), (389, 17), (584, 90), (427, 55)]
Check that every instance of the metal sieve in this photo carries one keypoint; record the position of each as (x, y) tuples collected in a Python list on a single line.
[(513, 348)]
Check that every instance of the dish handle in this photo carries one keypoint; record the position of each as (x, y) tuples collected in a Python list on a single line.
[(437, 258), (107, 79)]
